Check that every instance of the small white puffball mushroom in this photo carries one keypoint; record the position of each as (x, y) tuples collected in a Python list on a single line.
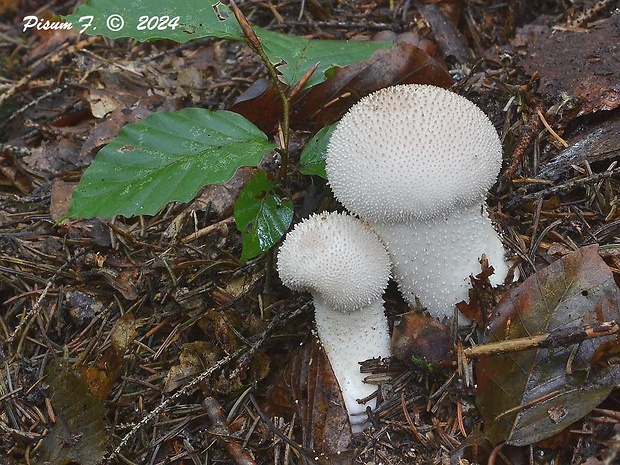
[(416, 162), (346, 268)]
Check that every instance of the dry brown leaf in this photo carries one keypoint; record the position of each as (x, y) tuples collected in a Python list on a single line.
[(102, 103), (420, 338), (530, 395), (219, 199), (61, 198), (11, 175), (124, 282), (195, 357), (54, 158), (223, 327), (309, 387), (101, 376), (325, 103), (483, 297), (78, 436)]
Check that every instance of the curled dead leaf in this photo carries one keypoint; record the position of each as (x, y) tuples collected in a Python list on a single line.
[(421, 338), (12, 175)]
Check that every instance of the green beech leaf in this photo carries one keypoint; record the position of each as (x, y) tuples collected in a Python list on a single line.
[(261, 215), (300, 54), (167, 157), (312, 159), (150, 19), (180, 21)]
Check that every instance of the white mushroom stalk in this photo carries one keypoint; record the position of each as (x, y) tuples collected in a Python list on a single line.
[(346, 268), (416, 162)]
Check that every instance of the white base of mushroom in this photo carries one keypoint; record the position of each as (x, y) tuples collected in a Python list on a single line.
[(350, 338), (433, 259)]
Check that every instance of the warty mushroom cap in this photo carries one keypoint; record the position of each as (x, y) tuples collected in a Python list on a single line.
[(336, 257), (411, 152)]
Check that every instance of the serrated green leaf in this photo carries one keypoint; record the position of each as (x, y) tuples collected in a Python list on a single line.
[(169, 156), (312, 159), (146, 19), (261, 215)]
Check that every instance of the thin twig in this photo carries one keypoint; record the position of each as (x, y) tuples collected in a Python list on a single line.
[(515, 202), (181, 392), (244, 350), (207, 230), (550, 129), (300, 450), (221, 429), (256, 46), (560, 337)]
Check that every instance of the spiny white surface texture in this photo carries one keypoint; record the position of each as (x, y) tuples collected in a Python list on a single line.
[(412, 152), (346, 268), (430, 263), (336, 256), (416, 162), (350, 338)]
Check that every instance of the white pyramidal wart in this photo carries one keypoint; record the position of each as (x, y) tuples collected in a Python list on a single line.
[(416, 162), (346, 268)]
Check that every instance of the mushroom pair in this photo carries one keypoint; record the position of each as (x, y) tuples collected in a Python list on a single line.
[(414, 162)]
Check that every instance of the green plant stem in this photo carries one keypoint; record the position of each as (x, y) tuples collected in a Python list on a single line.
[(268, 284), (256, 46)]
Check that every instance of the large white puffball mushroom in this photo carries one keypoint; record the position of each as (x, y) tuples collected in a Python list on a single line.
[(346, 268), (416, 162)]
